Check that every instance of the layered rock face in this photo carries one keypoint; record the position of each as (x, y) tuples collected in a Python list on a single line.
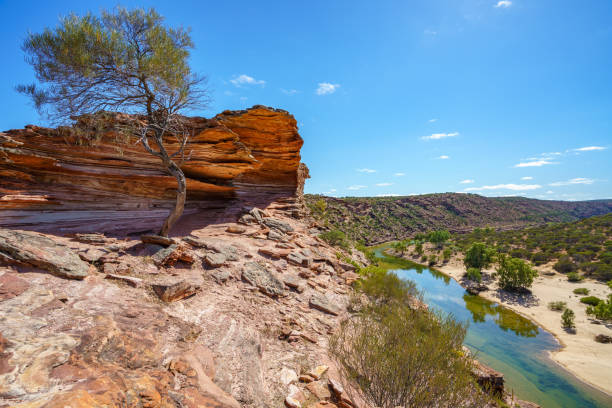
[(92, 177)]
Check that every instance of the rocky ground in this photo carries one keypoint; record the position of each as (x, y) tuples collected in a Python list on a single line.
[(230, 315)]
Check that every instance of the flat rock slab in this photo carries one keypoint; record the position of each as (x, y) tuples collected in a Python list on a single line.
[(130, 280), (259, 276), (157, 240), (322, 303), (11, 286), (40, 251), (215, 260), (276, 224), (176, 291)]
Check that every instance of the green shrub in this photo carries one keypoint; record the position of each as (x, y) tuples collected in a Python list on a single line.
[(581, 291), (384, 287), (539, 258), (402, 357), (473, 274), (423, 258), (567, 319), (557, 306), (574, 277), (610, 284), (335, 238), (591, 300), (478, 256), (514, 273), (419, 248), (603, 310), (446, 254), (565, 265), (438, 237), (432, 260)]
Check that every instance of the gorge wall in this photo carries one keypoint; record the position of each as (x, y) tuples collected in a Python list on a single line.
[(92, 177)]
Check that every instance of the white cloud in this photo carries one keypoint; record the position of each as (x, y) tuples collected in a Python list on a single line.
[(527, 178), (577, 180), (399, 174), (550, 192), (589, 148), (331, 191), (366, 170), (325, 88), (437, 136), (432, 120), (384, 184), (387, 195), (443, 157), (534, 163), (503, 4), (356, 187), (467, 181), (289, 91), (246, 80), (514, 187)]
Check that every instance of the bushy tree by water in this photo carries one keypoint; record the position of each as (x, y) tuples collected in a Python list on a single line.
[(124, 60), (478, 256), (514, 273)]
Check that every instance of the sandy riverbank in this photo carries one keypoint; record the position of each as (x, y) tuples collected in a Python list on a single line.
[(581, 354)]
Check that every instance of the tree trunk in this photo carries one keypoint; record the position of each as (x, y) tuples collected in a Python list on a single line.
[(181, 194)]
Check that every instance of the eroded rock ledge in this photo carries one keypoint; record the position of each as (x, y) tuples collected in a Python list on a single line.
[(86, 175)]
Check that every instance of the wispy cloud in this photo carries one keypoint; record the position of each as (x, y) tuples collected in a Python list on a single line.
[(326, 88), (577, 180), (443, 157), (384, 184), (514, 187), (399, 174), (589, 148), (387, 195), (535, 163), (527, 178), (432, 120), (503, 4), (437, 136), (356, 187), (366, 170), (466, 181), (289, 91), (246, 80), (331, 191)]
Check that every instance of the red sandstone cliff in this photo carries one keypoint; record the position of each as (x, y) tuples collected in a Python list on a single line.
[(91, 177)]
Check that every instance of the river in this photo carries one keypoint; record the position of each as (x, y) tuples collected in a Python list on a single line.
[(503, 340)]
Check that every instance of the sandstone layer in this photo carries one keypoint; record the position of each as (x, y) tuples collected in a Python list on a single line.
[(91, 176)]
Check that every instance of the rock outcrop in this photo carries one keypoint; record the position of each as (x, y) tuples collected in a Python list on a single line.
[(92, 177)]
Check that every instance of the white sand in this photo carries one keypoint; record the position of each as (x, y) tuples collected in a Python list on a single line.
[(581, 354)]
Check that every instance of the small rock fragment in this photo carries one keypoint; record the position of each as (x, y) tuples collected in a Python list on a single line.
[(130, 280), (176, 291), (306, 378), (319, 390), (157, 240), (336, 387), (288, 376), (236, 229)]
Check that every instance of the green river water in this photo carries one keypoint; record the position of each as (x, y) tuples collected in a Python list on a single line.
[(503, 340)]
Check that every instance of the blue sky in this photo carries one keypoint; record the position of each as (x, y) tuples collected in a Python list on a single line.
[(398, 97)]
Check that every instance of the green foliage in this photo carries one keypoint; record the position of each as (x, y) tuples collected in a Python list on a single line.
[(423, 258), (557, 306), (432, 260), (514, 273), (581, 291), (400, 246), (335, 238), (398, 355), (574, 277), (446, 254), (318, 208), (474, 274), (565, 265), (603, 310), (478, 256), (419, 248), (567, 319), (125, 59), (438, 237), (609, 284), (591, 300)]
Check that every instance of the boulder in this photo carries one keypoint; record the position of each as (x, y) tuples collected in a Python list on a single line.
[(236, 229), (294, 282), (221, 275), (40, 251), (176, 291), (336, 387), (167, 256), (259, 276), (274, 252), (603, 338), (90, 238), (274, 235), (490, 381), (319, 390), (278, 225), (215, 260), (298, 258), (323, 303)]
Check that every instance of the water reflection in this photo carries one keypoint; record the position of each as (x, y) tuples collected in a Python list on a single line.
[(480, 308)]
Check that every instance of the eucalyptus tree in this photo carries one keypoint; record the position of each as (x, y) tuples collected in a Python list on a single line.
[(121, 61)]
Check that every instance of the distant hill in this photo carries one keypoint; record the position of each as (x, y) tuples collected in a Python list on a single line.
[(379, 219)]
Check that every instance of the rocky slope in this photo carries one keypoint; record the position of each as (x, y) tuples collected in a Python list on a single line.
[(92, 177), (228, 316), (376, 220)]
